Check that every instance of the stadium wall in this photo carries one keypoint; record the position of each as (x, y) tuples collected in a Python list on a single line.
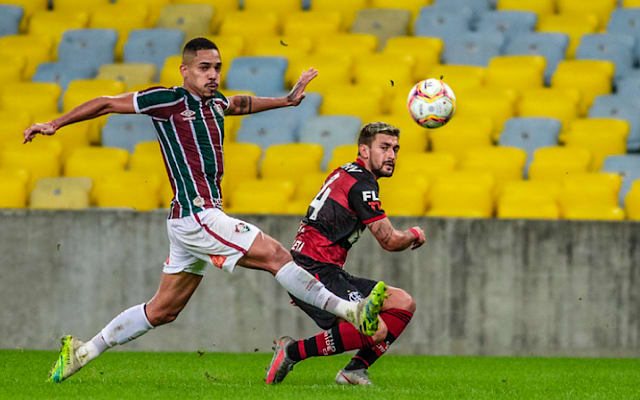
[(482, 286)]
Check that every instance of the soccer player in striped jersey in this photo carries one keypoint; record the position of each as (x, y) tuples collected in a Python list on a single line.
[(189, 121), (347, 202)]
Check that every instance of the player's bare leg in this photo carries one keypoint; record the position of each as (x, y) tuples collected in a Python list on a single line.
[(172, 296), (268, 254)]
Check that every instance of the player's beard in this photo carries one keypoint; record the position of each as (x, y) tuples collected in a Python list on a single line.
[(381, 173)]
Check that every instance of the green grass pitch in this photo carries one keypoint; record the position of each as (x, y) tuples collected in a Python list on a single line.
[(128, 375)]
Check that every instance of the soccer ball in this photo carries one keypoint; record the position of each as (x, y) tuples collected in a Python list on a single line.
[(431, 103)]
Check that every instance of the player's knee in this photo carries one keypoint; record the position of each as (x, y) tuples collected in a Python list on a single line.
[(162, 317), (380, 335), (404, 301), (278, 256)]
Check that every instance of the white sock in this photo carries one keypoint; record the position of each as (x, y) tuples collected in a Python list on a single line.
[(304, 286), (126, 326)]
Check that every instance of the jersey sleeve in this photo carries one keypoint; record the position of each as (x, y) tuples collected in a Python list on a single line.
[(222, 100), (155, 101), (364, 200)]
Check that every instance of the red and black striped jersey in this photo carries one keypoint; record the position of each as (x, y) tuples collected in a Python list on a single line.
[(190, 132), (347, 201)]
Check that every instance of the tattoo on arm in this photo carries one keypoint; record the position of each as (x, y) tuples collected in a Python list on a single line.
[(250, 104), (382, 231), (242, 105)]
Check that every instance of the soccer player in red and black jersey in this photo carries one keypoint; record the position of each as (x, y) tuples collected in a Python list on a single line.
[(346, 204)]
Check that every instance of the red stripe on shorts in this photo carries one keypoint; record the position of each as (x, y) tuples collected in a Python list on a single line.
[(218, 238)]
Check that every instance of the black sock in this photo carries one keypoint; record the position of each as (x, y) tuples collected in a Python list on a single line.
[(354, 364)]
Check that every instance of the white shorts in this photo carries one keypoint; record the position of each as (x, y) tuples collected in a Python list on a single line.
[(210, 237)]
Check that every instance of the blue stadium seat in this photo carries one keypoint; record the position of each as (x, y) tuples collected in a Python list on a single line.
[(471, 9), (10, 17), (508, 23), (267, 131), (620, 107), (629, 86), (62, 74), (626, 21), (435, 22), (264, 76), (552, 46), (153, 46), (628, 166), (615, 47), (305, 110), (87, 47), (125, 131), (530, 134), (330, 131), (472, 48)]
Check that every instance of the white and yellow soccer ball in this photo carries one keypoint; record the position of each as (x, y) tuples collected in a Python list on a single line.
[(431, 103)]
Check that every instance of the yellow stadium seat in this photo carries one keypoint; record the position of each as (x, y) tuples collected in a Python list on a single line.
[(263, 196), (341, 155), (19, 173), (235, 44), (516, 72), (128, 189), (221, 9), (309, 187), (574, 25), (630, 3), (591, 77), (154, 7), (30, 7), (281, 6), (411, 5), (292, 47), (400, 197), (193, 19), (280, 161), (166, 193), (41, 159), (333, 72), (375, 70), (30, 97), (250, 24), (70, 137), (413, 138), (529, 199), (121, 17), (63, 5), (550, 103), (12, 126), (504, 163), (600, 143), (348, 9), (12, 68), (460, 77), (312, 23), (240, 163), (360, 101), (95, 162), (498, 105), (34, 48), (462, 194), (540, 7), (424, 50), (601, 8), (590, 202), (354, 44), (632, 202), (611, 179), (461, 134), (81, 90), (428, 165), (61, 193), (14, 192), (170, 75), (131, 74), (554, 163), (53, 24), (147, 159), (618, 126)]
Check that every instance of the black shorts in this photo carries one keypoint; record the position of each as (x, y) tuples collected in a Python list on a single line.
[(340, 283)]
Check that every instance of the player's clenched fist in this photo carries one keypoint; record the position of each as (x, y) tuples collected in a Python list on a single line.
[(46, 128), (420, 237)]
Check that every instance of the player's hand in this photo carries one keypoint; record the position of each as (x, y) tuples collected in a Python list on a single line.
[(419, 241), (296, 94), (46, 128)]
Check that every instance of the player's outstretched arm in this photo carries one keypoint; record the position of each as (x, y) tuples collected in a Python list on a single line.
[(243, 104), (392, 239), (122, 104)]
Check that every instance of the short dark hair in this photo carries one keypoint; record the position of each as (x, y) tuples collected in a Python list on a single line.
[(370, 130), (198, 43)]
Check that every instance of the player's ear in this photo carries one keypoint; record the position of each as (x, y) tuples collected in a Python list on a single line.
[(363, 151), (183, 70)]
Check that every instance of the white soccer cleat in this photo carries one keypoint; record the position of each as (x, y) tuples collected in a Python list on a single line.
[(353, 377), (67, 363)]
